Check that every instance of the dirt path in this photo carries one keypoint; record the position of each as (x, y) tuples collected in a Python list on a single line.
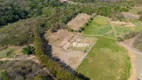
[(113, 28), (32, 57), (97, 36), (132, 59), (131, 49)]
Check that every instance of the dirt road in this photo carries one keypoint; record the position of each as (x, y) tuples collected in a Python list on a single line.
[(131, 49), (136, 61), (132, 59), (32, 57)]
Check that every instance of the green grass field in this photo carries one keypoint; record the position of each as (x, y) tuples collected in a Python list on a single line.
[(106, 61), (121, 30), (99, 26), (6, 53), (100, 20)]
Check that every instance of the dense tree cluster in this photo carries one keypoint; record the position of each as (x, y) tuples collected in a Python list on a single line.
[(19, 33), (23, 70), (53, 13), (11, 11)]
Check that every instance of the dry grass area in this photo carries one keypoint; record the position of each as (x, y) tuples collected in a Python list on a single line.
[(128, 15), (124, 24), (79, 21)]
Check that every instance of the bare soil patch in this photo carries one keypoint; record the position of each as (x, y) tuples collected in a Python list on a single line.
[(129, 42), (128, 15), (63, 46), (124, 24), (79, 21), (70, 57)]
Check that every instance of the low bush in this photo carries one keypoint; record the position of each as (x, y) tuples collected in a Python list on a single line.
[(28, 50)]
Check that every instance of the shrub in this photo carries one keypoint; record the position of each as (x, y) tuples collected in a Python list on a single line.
[(28, 50), (39, 78), (4, 75), (119, 39), (140, 18), (22, 70), (140, 12), (130, 35)]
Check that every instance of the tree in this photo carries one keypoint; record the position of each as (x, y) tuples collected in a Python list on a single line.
[(28, 50)]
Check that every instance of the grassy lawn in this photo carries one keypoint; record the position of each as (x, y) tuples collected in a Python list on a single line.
[(100, 20), (6, 53), (106, 61)]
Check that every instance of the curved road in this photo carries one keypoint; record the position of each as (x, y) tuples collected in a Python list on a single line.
[(131, 49)]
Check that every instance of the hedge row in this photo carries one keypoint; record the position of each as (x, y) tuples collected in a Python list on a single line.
[(59, 72)]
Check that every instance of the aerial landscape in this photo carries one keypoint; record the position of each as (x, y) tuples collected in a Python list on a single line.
[(70, 39)]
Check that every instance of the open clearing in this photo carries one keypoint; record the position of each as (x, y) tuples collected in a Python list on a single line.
[(7, 52), (135, 10), (62, 46), (130, 16), (106, 61)]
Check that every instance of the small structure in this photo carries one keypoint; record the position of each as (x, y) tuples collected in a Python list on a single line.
[(75, 44), (63, 1), (65, 44)]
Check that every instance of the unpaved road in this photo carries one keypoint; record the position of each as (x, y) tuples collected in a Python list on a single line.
[(32, 57), (131, 49), (137, 62)]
